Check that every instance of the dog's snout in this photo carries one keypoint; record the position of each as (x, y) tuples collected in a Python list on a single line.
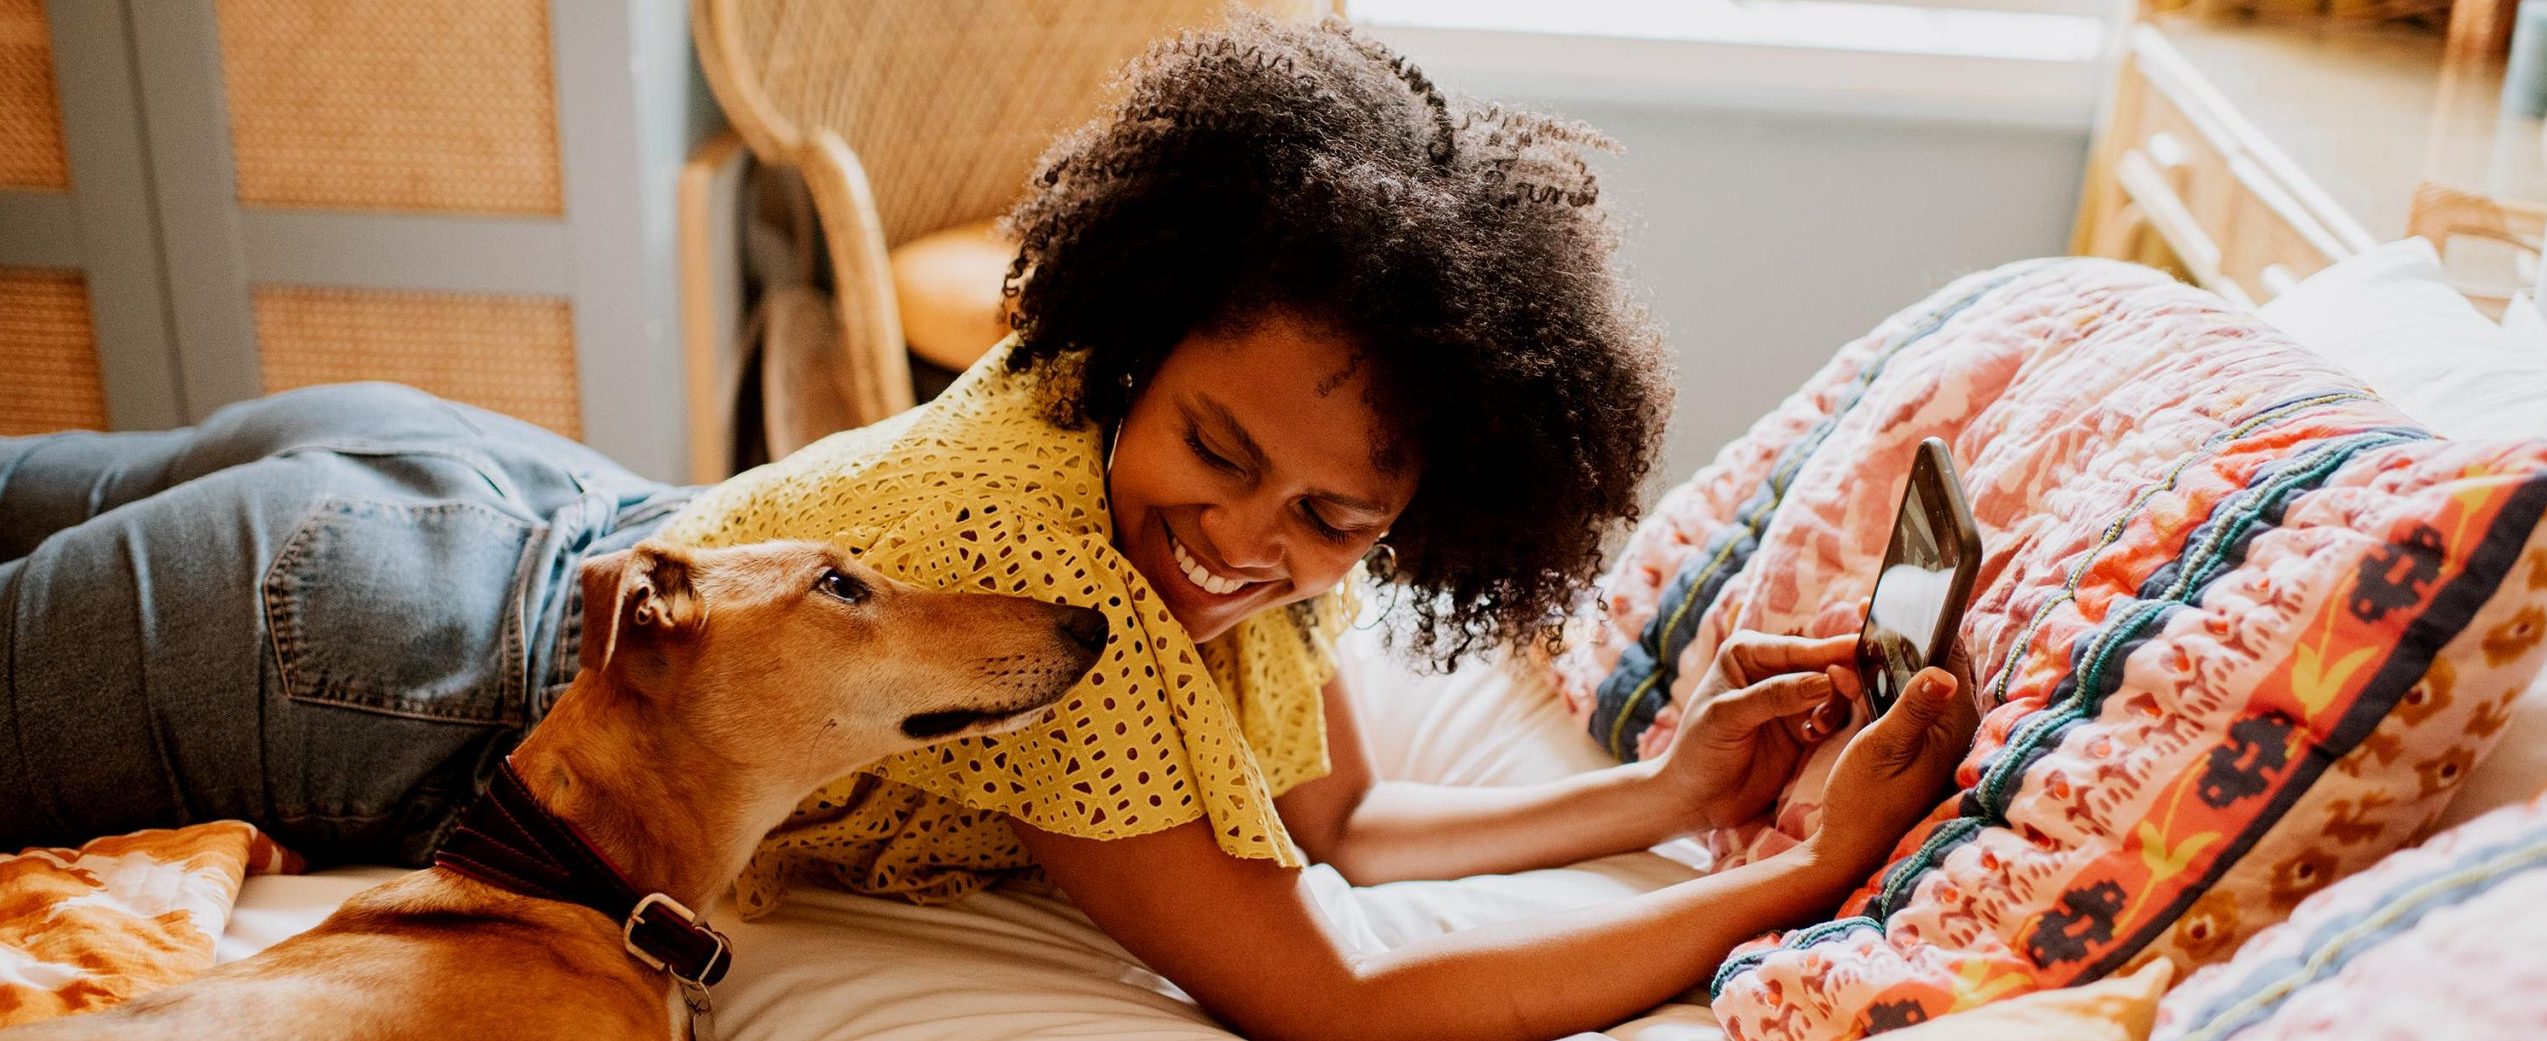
[(1085, 627)]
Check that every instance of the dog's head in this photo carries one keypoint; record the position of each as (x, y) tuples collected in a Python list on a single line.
[(791, 655)]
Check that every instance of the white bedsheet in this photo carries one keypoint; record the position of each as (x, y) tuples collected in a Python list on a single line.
[(1018, 964)]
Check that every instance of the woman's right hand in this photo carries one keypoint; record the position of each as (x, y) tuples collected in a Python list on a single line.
[(1766, 703), (1892, 773)]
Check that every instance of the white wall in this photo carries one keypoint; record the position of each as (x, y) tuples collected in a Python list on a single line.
[(1780, 200), (1764, 240)]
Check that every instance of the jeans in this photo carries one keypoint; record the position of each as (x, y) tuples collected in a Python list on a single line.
[(330, 612)]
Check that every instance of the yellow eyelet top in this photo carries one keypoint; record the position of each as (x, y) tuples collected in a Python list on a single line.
[(979, 490)]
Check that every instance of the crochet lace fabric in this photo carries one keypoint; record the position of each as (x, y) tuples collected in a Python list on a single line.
[(978, 490)]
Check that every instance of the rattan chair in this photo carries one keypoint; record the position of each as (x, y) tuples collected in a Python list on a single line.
[(911, 117)]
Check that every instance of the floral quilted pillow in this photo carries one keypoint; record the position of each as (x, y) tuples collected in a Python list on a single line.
[(2193, 741), (2415, 947), (2241, 627)]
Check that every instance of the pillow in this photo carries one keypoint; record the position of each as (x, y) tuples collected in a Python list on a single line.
[(2122, 1008), (2514, 771), (2427, 943), (1629, 665), (2242, 627), (2275, 673), (2517, 767), (2391, 317), (2354, 314)]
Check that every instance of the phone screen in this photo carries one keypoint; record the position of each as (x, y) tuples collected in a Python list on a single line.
[(1913, 595)]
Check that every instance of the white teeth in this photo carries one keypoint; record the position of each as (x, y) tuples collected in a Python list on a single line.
[(1196, 573)]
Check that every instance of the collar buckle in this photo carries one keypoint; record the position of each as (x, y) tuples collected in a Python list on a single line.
[(691, 951)]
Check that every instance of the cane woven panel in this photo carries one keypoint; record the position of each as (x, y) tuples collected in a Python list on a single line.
[(31, 154), (948, 104), (512, 354), (435, 106), (48, 354)]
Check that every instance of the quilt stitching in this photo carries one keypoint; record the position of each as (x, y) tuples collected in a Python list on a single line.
[(2212, 548)]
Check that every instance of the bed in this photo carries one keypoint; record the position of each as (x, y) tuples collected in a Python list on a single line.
[(1022, 963)]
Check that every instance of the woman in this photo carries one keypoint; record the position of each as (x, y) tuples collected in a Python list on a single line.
[(1290, 311)]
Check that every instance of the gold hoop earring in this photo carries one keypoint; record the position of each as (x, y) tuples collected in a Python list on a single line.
[(1380, 566)]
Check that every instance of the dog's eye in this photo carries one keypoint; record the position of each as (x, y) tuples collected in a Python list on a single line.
[(842, 586)]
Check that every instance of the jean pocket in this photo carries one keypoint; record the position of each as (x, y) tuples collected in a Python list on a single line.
[(407, 609)]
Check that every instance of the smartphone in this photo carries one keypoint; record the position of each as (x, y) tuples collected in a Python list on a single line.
[(1926, 581)]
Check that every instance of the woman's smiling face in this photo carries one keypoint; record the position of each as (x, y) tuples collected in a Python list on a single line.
[(1253, 471)]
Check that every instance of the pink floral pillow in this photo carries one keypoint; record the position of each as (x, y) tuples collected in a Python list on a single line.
[(2241, 628)]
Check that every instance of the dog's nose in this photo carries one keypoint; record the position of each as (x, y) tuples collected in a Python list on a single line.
[(1085, 627)]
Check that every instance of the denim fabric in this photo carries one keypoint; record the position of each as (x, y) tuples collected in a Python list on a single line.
[(329, 612)]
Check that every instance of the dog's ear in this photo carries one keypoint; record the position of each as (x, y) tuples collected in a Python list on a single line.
[(647, 587), (663, 602)]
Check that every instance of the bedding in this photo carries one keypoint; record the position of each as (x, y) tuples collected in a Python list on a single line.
[(2354, 314), (86, 928), (1019, 964), (2241, 629), (1014, 964), (2117, 1008), (2433, 935)]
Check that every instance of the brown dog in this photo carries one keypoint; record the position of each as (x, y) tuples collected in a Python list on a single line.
[(717, 689)]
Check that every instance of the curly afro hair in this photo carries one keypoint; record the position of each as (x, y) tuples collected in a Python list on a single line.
[(1305, 168)]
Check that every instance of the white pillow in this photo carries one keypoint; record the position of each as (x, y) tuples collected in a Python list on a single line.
[(2390, 317)]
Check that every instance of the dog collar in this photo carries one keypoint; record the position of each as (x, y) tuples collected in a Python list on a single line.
[(508, 840)]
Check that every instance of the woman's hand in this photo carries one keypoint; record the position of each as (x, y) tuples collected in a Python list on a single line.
[(1892, 773), (1767, 700)]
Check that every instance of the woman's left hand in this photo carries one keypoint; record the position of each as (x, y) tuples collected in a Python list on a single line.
[(1765, 702)]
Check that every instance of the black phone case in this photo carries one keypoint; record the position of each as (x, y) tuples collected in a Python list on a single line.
[(1935, 465)]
